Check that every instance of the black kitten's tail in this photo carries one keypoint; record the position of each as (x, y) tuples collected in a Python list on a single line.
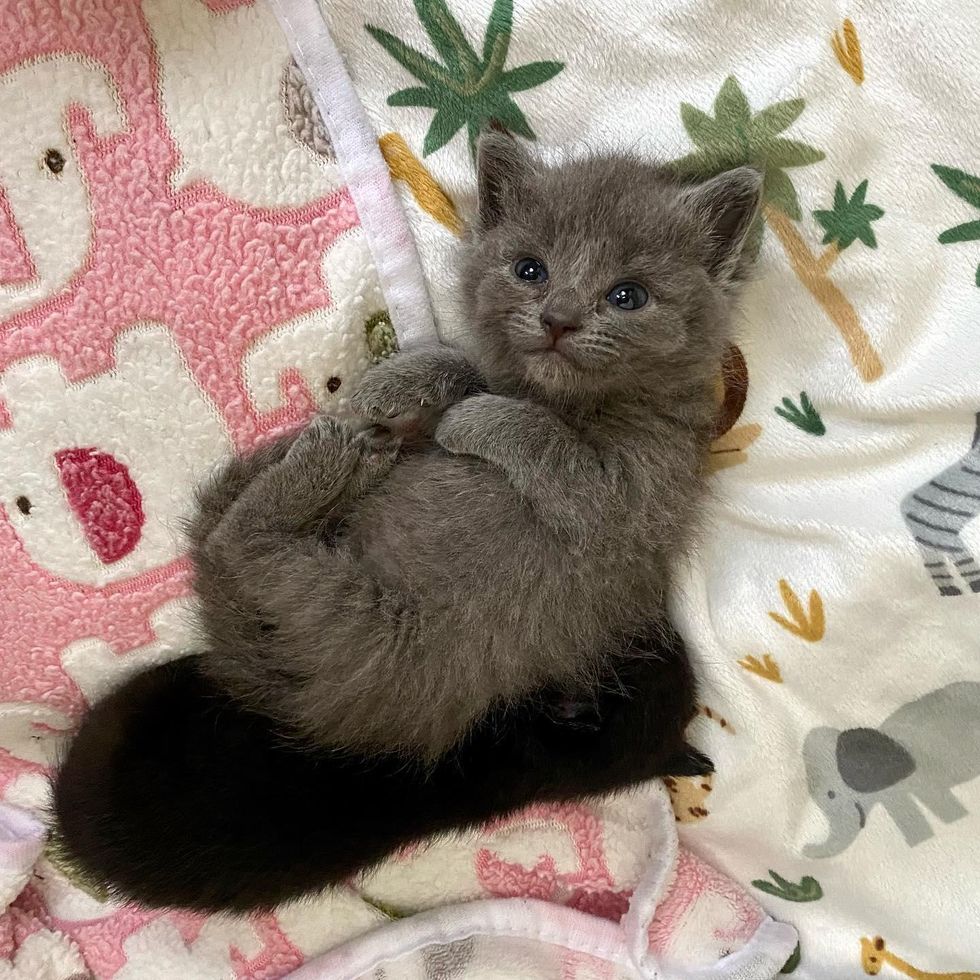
[(172, 794)]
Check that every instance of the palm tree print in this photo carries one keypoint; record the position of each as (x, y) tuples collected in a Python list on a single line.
[(736, 136), (466, 88), (849, 219), (966, 186)]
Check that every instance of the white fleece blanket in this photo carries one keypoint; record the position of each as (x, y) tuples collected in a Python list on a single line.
[(834, 605), (190, 262)]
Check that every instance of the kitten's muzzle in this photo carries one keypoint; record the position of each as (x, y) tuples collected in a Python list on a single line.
[(557, 326)]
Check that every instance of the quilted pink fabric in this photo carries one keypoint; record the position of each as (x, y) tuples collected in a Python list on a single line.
[(174, 227)]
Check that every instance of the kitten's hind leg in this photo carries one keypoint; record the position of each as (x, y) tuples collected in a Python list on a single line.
[(220, 490), (323, 470), (641, 713), (175, 794)]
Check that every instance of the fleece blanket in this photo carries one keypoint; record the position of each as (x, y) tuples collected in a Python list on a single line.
[(834, 604), (200, 244)]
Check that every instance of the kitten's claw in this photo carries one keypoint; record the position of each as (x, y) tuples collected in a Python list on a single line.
[(407, 392)]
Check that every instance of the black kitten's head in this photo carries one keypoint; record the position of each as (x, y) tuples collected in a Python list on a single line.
[(606, 273)]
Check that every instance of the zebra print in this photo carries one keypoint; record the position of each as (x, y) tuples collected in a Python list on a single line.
[(936, 514)]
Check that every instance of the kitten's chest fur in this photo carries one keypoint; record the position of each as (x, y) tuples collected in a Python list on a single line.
[(454, 535)]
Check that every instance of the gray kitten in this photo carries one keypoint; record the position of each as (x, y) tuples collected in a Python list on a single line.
[(373, 598)]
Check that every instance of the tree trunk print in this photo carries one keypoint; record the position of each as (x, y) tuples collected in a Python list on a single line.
[(812, 270)]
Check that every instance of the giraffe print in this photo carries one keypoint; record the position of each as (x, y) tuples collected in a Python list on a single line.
[(874, 955)]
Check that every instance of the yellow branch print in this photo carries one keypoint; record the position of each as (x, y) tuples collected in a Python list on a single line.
[(431, 198), (848, 51), (811, 270), (809, 624), (766, 668)]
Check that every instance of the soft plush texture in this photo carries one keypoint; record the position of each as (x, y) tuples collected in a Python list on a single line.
[(152, 324), (190, 263), (825, 633), (182, 273), (671, 916)]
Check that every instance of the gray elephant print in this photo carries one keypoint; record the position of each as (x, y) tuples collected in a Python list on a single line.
[(913, 758), (936, 514)]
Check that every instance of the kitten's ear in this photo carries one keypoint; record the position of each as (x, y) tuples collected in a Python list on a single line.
[(502, 166), (726, 206)]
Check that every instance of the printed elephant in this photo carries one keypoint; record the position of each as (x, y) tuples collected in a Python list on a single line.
[(45, 213), (96, 475), (287, 160), (914, 757)]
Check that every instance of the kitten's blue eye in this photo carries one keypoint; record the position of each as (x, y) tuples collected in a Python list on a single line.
[(531, 270), (627, 296)]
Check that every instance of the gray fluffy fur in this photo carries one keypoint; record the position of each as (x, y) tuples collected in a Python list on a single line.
[(375, 598)]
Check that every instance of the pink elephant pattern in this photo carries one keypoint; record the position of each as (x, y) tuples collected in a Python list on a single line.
[(212, 275)]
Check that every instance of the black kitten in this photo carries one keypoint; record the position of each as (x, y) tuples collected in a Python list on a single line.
[(173, 794)]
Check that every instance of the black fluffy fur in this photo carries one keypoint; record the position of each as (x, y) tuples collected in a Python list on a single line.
[(172, 794)]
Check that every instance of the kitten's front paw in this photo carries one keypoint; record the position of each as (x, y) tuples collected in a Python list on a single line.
[(463, 426), (408, 391)]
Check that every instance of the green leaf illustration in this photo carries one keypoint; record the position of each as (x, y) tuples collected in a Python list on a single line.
[(849, 218), (778, 190), (468, 90), (734, 137), (444, 127), (531, 75), (793, 962), (414, 97), (967, 187), (731, 105), (500, 25), (446, 34), (777, 117), (960, 183), (702, 129), (969, 231), (806, 417), (420, 65), (807, 890)]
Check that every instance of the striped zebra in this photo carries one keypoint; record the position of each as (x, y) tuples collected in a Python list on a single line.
[(937, 512)]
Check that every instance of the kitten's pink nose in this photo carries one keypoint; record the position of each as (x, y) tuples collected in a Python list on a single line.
[(557, 326)]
